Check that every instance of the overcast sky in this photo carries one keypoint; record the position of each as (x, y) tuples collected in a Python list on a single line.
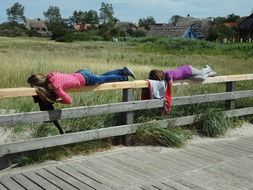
[(133, 10)]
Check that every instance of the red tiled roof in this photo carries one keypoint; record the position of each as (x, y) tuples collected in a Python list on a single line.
[(231, 24)]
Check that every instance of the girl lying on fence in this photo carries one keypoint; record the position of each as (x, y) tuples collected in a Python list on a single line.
[(51, 87), (183, 72), (160, 82)]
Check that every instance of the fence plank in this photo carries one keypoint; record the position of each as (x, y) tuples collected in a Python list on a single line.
[(41, 116), (128, 117), (203, 98), (230, 87), (28, 91)]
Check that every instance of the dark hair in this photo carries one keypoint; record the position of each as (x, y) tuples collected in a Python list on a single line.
[(156, 75)]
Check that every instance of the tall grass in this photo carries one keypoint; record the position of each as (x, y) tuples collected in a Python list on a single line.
[(152, 134), (212, 123)]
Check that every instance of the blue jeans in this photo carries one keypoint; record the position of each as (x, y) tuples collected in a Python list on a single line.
[(110, 76)]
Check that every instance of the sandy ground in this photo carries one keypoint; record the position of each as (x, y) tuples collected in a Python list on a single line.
[(245, 130)]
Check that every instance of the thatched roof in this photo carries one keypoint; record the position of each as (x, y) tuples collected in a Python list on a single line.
[(246, 24), (166, 30), (35, 24)]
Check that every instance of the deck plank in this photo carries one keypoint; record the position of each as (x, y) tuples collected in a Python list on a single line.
[(54, 179), (98, 176), (40, 180), (107, 171), (67, 178), (25, 182), (10, 183), (82, 178), (2, 187)]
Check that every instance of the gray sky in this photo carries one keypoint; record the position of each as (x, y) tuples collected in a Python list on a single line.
[(133, 10)]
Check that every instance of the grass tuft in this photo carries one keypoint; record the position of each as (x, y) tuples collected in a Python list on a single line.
[(152, 134), (212, 123), (63, 152)]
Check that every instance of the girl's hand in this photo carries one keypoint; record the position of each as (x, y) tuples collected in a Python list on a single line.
[(58, 100)]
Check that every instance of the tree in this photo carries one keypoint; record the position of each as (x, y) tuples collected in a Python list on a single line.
[(233, 18), (145, 22), (52, 15), (79, 17), (106, 14), (16, 13), (92, 17), (219, 32), (55, 22), (219, 20), (174, 19)]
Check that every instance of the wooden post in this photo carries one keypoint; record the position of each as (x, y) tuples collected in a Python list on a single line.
[(230, 87), (128, 117)]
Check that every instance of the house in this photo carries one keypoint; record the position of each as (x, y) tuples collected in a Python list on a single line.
[(245, 29), (191, 32), (83, 27), (126, 26), (38, 26), (187, 27)]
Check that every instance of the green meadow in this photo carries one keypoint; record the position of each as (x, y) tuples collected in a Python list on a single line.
[(20, 57)]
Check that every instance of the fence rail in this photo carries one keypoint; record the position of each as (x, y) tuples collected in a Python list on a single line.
[(128, 106)]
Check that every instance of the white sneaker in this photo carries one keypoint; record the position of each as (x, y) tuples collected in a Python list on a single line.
[(212, 74), (128, 72)]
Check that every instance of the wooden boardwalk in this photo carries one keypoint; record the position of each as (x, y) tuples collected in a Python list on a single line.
[(225, 164)]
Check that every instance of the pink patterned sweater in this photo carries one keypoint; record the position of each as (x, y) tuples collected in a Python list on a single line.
[(60, 82)]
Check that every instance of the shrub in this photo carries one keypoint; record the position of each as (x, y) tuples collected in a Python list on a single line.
[(152, 134), (212, 123), (80, 36), (12, 29)]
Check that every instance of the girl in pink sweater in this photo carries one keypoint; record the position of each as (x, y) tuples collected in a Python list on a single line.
[(51, 87)]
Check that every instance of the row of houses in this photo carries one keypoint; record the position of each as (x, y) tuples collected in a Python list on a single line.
[(198, 28), (187, 27)]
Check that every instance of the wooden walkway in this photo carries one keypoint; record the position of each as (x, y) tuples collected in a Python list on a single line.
[(225, 164)]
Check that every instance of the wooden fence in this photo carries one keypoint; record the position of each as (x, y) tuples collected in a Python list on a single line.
[(127, 107)]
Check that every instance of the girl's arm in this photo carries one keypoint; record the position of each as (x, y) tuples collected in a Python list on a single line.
[(63, 97), (171, 86)]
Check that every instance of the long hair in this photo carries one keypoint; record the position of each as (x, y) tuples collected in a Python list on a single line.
[(42, 87), (156, 75)]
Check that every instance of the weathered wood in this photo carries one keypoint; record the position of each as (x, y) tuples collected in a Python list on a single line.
[(28, 184), (9, 183), (98, 176), (3, 187), (147, 167), (214, 97), (39, 180), (41, 116), (69, 181), (57, 140), (54, 179), (128, 117), (28, 91), (81, 177), (117, 176), (230, 87)]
